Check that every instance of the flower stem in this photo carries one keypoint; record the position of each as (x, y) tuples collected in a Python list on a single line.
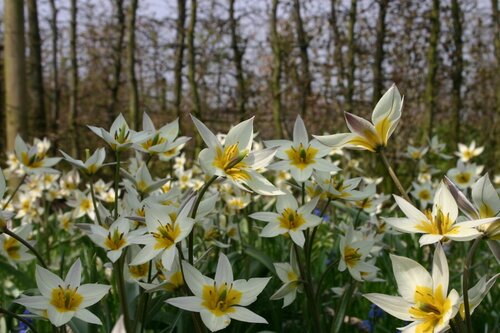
[(18, 317), (193, 216), (118, 267), (94, 201), (344, 302), (393, 175), (15, 191), (313, 308), (117, 180), (466, 280), (25, 243)]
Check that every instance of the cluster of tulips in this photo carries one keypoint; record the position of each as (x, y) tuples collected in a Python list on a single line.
[(168, 243)]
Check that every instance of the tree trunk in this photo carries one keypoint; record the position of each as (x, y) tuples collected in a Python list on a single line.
[(117, 57), (458, 65), (36, 90), (351, 55), (192, 67), (302, 39), (179, 57), (277, 68), (73, 83), (55, 72), (241, 93), (337, 53), (431, 90), (14, 62), (378, 76), (496, 125), (135, 119)]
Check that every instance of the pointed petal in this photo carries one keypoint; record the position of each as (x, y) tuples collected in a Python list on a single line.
[(300, 133), (35, 302), (59, 318), (189, 303), (47, 281), (74, 275), (88, 316), (409, 210), (463, 203), (213, 322), (194, 279), (241, 134), (92, 293), (440, 272), (409, 274), (208, 137), (224, 272), (243, 314), (444, 201), (394, 305)]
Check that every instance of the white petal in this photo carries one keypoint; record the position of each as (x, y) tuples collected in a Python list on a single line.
[(429, 239), (168, 256), (444, 200), (250, 289), (74, 275), (440, 272), (403, 224), (242, 134), (300, 133), (35, 302), (47, 281), (394, 305), (335, 140), (297, 237), (59, 318), (224, 272), (145, 254), (409, 210), (207, 135), (272, 230), (92, 293), (264, 216), (286, 201), (243, 314), (194, 279), (409, 274), (189, 303), (88, 316), (213, 322)]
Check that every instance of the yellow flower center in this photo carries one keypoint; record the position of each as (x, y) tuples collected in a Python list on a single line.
[(139, 271), (463, 178), (156, 140), (85, 205), (437, 225), (219, 300), (34, 161), (175, 281), (66, 299), (351, 256), (290, 219), (302, 157), (292, 276), (11, 246), (114, 241), (230, 160), (424, 195), (429, 308), (166, 235)]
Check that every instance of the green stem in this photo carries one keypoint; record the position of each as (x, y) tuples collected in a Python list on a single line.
[(465, 282), (94, 201), (25, 243), (117, 180), (18, 317), (393, 175), (118, 267), (143, 306), (313, 309), (193, 216), (338, 320), (15, 191)]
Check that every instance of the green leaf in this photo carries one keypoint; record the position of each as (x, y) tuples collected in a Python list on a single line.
[(263, 258)]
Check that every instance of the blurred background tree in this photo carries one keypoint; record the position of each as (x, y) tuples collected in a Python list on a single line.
[(85, 61)]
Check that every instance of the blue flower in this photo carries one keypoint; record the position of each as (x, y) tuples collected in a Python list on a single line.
[(22, 327), (317, 212), (375, 312), (367, 325)]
